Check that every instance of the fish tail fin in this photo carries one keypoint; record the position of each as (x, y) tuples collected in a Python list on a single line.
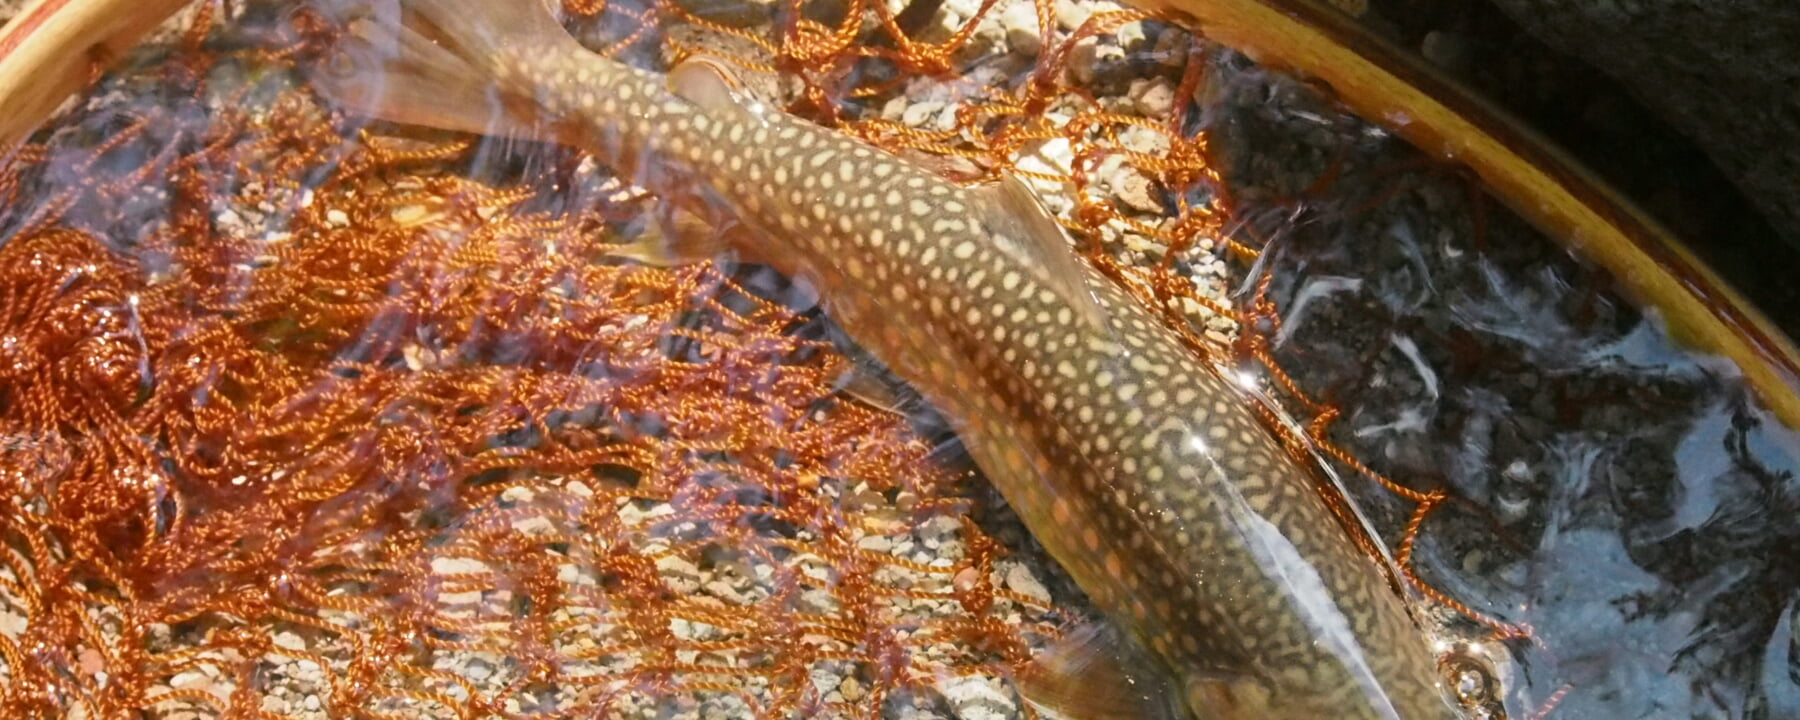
[(448, 64)]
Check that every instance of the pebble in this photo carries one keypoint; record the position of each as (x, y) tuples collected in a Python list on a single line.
[(876, 543), (1137, 191), (1144, 140), (457, 566), (1131, 34), (678, 573), (979, 698), (1154, 98), (851, 689), (289, 641), (1021, 25), (1019, 578), (826, 680), (1051, 157), (1071, 14), (918, 114)]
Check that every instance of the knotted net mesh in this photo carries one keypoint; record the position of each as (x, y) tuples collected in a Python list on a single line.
[(301, 417)]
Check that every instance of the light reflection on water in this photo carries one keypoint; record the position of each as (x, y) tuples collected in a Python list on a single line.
[(1621, 497)]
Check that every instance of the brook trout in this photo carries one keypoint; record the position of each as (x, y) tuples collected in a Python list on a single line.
[(1235, 590)]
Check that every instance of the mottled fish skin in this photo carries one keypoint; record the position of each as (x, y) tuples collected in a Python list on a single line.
[(1148, 477)]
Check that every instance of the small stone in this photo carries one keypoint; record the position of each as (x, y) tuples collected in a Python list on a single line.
[(1130, 34), (825, 680), (894, 109), (1071, 14), (1021, 25), (1020, 579), (963, 8), (311, 703), (1137, 191), (337, 218), (1082, 59), (681, 575), (875, 543), (918, 114), (457, 566), (187, 679), (1052, 157), (287, 640), (1143, 141), (978, 698), (851, 689), (1171, 48), (946, 118), (535, 525), (1154, 98)]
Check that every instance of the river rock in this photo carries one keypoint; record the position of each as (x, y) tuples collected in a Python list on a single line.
[(1726, 74)]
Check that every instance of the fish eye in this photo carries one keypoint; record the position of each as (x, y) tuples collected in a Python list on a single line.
[(1472, 683)]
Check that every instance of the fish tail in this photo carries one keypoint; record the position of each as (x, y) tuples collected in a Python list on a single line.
[(448, 64)]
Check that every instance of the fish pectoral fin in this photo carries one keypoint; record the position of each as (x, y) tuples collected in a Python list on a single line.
[(1031, 233), (675, 237), (1094, 673), (866, 386), (707, 82), (1229, 697)]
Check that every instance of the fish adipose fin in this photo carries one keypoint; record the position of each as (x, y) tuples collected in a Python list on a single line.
[(1092, 673), (1028, 230), (439, 65)]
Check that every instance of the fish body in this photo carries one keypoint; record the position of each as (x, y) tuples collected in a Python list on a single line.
[(1152, 481)]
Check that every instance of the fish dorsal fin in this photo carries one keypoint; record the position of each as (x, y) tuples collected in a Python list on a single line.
[(1030, 233), (1093, 673), (706, 81)]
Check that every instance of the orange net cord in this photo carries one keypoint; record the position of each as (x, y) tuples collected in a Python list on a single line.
[(428, 424)]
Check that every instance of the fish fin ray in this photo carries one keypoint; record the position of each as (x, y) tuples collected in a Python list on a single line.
[(486, 33), (869, 388), (673, 238), (1093, 673), (438, 65), (1041, 242), (417, 83)]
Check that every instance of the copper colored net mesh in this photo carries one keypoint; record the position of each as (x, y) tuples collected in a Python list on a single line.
[(428, 452)]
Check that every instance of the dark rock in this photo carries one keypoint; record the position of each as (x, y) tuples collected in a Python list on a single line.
[(1725, 73)]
